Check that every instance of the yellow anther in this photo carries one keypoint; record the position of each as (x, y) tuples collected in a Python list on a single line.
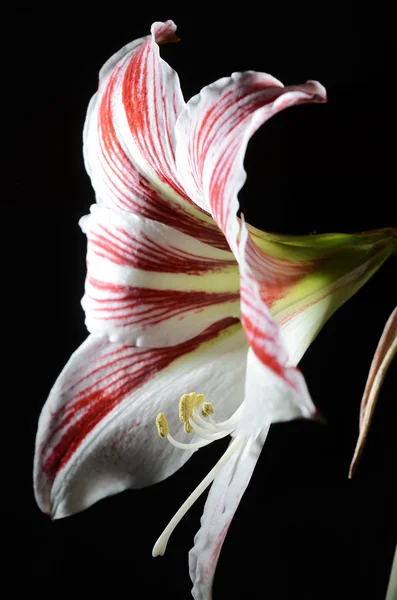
[(187, 404), (185, 407), (187, 427), (199, 399), (207, 409), (162, 425)]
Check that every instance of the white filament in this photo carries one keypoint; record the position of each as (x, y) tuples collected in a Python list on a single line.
[(161, 544), (207, 435), (209, 430), (193, 445)]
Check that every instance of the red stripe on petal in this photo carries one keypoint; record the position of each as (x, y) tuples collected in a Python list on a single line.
[(262, 332), (275, 276), (118, 173), (139, 101), (115, 373), (139, 251), (215, 128), (256, 340), (126, 305), (142, 274)]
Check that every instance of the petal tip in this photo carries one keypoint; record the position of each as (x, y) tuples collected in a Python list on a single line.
[(318, 90), (164, 33), (319, 417)]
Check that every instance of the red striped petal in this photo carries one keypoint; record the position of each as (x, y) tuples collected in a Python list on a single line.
[(305, 279), (212, 135), (129, 138), (150, 285), (97, 431), (275, 389)]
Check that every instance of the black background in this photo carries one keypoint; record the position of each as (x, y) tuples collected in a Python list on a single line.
[(303, 530)]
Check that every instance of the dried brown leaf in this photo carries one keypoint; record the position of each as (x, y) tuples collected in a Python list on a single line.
[(381, 361)]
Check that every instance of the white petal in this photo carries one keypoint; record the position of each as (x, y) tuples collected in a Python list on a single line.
[(222, 502), (268, 398)]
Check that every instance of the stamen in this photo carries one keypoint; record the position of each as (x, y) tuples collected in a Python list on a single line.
[(187, 427), (188, 446), (205, 424), (207, 429), (162, 425), (209, 434), (185, 407), (208, 409), (161, 544), (187, 404), (199, 399), (231, 421)]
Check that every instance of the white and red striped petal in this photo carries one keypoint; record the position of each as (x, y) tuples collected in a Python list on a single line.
[(305, 279), (212, 135), (221, 504), (275, 390), (289, 288), (129, 138), (97, 433), (149, 285)]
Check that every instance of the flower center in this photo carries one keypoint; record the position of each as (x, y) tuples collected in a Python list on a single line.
[(190, 407)]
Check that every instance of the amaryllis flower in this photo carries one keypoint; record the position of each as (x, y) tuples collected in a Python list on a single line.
[(184, 301)]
